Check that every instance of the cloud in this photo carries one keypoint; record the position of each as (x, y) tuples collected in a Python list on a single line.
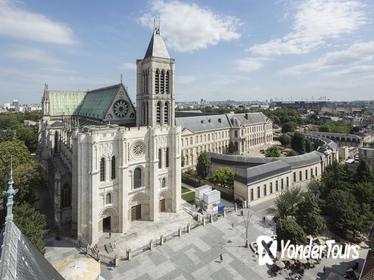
[(32, 54), (127, 66), (356, 55), (249, 64), (19, 23), (315, 22), (185, 79), (189, 27)]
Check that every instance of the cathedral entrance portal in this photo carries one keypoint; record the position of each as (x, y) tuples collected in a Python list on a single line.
[(136, 212), (107, 224), (162, 205)]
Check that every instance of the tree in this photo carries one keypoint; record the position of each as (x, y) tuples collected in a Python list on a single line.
[(364, 172), (309, 145), (32, 224), (203, 165), (288, 127), (223, 176), (308, 215), (16, 150), (285, 139), (288, 229), (27, 177), (343, 211), (287, 202), (19, 153), (273, 151), (29, 135), (298, 142)]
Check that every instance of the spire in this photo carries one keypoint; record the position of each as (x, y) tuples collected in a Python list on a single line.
[(157, 47), (10, 194)]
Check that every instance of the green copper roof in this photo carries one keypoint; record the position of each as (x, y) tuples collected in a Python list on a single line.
[(97, 102), (65, 102)]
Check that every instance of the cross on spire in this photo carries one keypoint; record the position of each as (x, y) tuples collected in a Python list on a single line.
[(10, 193), (156, 25)]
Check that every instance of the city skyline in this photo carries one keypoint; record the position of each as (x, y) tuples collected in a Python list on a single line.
[(257, 51)]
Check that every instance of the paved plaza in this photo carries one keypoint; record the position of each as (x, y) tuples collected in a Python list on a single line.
[(197, 256)]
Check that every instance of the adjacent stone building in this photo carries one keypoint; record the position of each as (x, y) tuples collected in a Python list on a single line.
[(224, 133)]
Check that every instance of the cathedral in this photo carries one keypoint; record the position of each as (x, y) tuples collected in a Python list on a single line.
[(110, 163)]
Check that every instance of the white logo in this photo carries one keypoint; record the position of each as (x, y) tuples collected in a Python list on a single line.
[(267, 249)]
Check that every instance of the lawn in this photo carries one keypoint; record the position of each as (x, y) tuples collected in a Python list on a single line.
[(189, 196), (185, 190)]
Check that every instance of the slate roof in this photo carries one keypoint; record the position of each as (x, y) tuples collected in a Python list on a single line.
[(304, 159), (239, 160), (157, 47), (247, 118), (252, 169), (203, 123), (260, 172), (335, 135), (221, 121), (65, 102), (20, 260)]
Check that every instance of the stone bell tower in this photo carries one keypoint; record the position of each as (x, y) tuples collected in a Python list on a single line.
[(155, 98)]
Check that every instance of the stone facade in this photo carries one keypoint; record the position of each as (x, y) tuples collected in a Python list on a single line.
[(225, 133)]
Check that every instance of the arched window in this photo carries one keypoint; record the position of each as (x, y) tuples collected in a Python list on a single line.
[(113, 167), (163, 183), (102, 169), (143, 109), (167, 82), (157, 81), (137, 178), (166, 113), (65, 196), (167, 157), (159, 158), (162, 82), (158, 113), (108, 198)]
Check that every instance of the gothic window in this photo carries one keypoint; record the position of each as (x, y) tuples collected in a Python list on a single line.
[(65, 196), (157, 81), (56, 141), (166, 113), (162, 81), (159, 158), (108, 198), (102, 169), (163, 183), (158, 113), (167, 82), (113, 167), (143, 109), (167, 157), (137, 178)]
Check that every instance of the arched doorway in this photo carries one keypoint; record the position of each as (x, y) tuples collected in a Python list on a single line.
[(109, 220)]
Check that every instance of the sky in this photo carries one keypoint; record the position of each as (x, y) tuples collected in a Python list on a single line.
[(224, 49)]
